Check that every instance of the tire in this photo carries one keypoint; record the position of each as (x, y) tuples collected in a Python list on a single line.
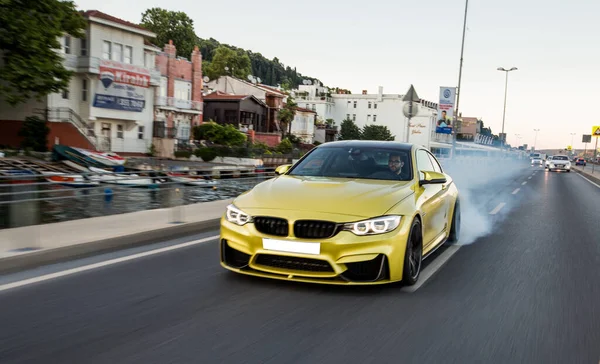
[(568, 170), (455, 225), (413, 256)]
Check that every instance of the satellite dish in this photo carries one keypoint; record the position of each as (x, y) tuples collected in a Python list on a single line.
[(308, 82), (206, 79), (258, 80), (250, 78)]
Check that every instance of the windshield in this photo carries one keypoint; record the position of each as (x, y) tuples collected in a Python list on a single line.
[(356, 162), (560, 158)]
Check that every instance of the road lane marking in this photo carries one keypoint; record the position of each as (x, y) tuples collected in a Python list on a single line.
[(524, 183), (433, 267), (516, 191), (587, 179), (529, 178), (105, 263), (497, 208)]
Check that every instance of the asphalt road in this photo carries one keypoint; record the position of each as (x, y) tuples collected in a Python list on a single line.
[(528, 292)]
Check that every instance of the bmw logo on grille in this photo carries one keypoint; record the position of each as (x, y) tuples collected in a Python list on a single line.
[(446, 93)]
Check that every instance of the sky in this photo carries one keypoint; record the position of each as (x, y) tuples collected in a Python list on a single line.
[(360, 45)]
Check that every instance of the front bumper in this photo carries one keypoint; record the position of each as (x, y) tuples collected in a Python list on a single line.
[(563, 167), (343, 259)]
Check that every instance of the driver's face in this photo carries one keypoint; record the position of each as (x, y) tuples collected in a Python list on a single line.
[(395, 163)]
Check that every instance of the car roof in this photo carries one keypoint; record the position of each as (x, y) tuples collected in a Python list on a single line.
[(369, 144)]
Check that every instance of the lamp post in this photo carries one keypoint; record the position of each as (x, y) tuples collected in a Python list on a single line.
[(505, 92), (535, 140), (458, 89)]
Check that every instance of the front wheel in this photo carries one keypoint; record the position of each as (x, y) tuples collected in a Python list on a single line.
[(413, 257), (455, 225)]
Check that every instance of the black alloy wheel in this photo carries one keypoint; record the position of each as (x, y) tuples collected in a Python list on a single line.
[(413, 257)]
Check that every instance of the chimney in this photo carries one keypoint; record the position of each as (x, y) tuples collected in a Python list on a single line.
[(197, 79), (171, 52), (364, 92)]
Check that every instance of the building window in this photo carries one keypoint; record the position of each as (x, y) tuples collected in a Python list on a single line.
[(347, 116), (120, 131), (117, 52), (164, 84), (355, 104), (374, 117), (83, 46), (140, 132), (106, 50), (65, 94), (369, 104), (374, 106), (314, 107), (128, 54), (67, 44), (183, 90), (353, 117), (84, 90)]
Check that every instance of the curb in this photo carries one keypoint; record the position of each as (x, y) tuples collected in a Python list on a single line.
[(588, 176), (44, 257)]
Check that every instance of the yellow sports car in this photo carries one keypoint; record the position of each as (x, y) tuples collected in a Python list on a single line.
[(348, 212)]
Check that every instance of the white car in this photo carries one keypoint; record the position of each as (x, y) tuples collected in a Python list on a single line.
[(559, 162), (537, 161), (547, 163)]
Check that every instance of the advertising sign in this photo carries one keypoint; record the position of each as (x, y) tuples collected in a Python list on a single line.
[(446, 110), (121, 87)]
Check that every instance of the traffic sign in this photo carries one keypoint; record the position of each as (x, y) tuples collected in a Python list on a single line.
[(596, 131), (569, 147), (411, 95)]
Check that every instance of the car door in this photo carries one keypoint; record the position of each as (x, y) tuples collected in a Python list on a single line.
[(430, 201), (445, 193)]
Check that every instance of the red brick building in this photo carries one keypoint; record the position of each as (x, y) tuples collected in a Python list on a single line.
[(178, 105)]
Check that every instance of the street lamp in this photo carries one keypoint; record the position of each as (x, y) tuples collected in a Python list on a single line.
[(459, 89), (505, 91), (535, 140)]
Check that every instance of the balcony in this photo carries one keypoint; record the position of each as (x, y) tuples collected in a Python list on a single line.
[(161, 131), (179, 104), (313, 98)]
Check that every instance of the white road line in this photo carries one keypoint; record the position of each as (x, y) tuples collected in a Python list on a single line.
[(516, 191), (587, 179), (84, 268), (497, 208), (529, 178), (433, 267), (524, 183)]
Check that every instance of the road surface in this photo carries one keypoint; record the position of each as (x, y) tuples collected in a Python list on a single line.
[(529, 292)]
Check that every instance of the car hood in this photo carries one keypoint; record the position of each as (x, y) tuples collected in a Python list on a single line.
[(343, 196)]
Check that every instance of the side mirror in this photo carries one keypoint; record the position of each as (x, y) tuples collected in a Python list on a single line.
[(282, 169), (432, 177)]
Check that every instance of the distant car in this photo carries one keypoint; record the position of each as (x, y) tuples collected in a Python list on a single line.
[(537, 161), (547, 162), (580, 162), (560, 162)]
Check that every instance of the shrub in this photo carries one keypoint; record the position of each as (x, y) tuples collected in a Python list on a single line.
[(207, 154)]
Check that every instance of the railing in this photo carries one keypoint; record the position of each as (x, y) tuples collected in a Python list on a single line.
[(161, 131), (314, 98), (65, 114), (178, 103)]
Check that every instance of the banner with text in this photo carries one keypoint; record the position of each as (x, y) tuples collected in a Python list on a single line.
[(121, 87), (445, 110)]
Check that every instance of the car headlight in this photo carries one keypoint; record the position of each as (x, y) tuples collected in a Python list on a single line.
[(379, 225), (237, 216)]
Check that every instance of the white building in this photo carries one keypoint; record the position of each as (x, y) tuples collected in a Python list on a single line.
[(303, 125), (387, 109), (110, 102), (317, 98)]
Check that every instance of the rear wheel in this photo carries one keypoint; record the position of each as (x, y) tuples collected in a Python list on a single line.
[(455, 226), (413, 257)]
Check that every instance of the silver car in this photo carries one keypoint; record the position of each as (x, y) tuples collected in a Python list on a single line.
[(537, 161)]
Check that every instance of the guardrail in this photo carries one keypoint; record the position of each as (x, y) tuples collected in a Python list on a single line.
[(29, 199)]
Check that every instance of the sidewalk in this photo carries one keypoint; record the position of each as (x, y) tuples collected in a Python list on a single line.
[(587, 172), (30, 246)]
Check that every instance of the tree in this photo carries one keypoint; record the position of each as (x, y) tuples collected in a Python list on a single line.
[(349, 130), (237, 61), (286, 115), (35, 134), (171, 25), (30, 44), (376, 132), (219, 134)]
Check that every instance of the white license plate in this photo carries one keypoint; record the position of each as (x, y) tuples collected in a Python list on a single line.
[(289, 246)]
